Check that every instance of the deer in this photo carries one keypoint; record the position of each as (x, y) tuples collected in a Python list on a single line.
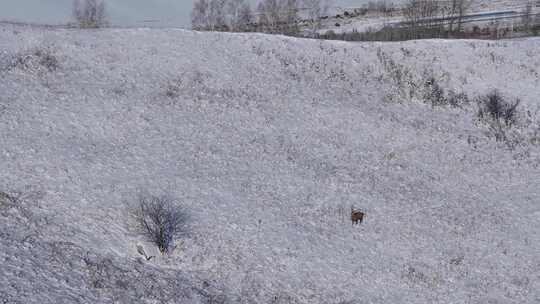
[(357, 216)]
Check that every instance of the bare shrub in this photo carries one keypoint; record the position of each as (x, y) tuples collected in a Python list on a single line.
[(10, 203), (499, 114), (457, 100), (6, 199), (493, 106), (34, 59), (47, 59), (172, 90), (434, 93), (90, 13), (399, 75), (162, 219)]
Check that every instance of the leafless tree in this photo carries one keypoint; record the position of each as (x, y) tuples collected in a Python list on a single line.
[(162, 219), (217, 15), (272, 16), (90, 13), (269, 15), (434, 16), (199, 15), (527, 16), (278, 16), (290, 16), (457, 10), (381, 6), (246, 18), (420, 15), (239, 15), (315, 10), (209, 15)]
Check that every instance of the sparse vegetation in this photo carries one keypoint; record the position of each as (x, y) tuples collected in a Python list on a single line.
[(457, 100), (436, 95), (37, 58), (399, 75), (162, 219)]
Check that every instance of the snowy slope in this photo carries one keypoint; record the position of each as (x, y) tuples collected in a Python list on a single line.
[(267, 141)]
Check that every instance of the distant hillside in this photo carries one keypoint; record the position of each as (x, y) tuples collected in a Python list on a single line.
[(346, 19)]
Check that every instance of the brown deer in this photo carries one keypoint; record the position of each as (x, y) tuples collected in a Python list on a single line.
[(357, 216)]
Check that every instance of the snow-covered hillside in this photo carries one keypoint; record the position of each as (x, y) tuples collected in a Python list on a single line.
[(267, 141)]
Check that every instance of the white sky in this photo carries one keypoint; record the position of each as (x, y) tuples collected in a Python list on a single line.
[(121, 12)]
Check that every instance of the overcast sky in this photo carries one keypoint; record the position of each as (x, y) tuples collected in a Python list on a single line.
[(121, 12)]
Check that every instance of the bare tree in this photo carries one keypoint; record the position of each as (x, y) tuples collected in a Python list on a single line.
[(269, 15), (273, 16), (412, 15), (217, 15), (432, 16), (527, 14), (458, 10), (445, 15), (209, 15), (162, 219), (290, 16), (316, 9), (536, 21), (199, 15), (90, 13), (239, 15), (420, 15), (381, 6), (278, 16), (246, 17)]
